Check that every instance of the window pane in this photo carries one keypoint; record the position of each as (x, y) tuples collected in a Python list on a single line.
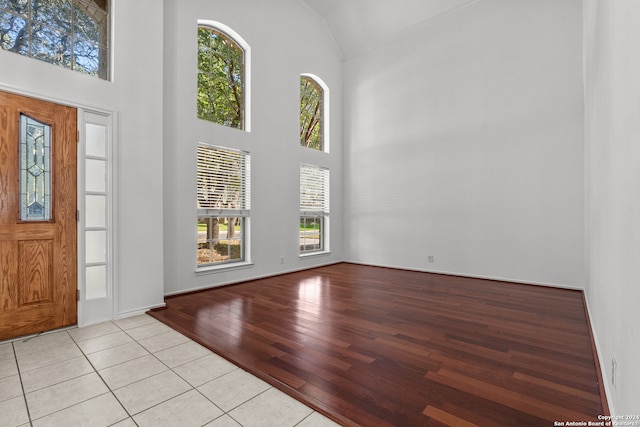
[(90, 22), (13, 34), (50, 45), (204, 250), (235, 250), (16, 6), (96, 211), (95, 140), (96, 171), (54, 14), (35, 170), (86, 57), (220, 240), (311, 234), (227, 244), (96, 246), (96, 282)]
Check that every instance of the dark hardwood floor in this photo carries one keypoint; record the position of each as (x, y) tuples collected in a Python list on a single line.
[(374, 346)]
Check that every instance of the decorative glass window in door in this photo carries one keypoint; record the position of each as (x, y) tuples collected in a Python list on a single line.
[(35, 170)]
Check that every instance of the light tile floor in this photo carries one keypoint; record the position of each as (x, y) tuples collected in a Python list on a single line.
[(135, 372)]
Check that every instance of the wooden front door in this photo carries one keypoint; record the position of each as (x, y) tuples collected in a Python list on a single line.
[(38, 254)]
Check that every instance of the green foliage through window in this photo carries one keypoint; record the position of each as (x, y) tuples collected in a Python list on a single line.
[(311, 100), (70, 33), (220, 78)]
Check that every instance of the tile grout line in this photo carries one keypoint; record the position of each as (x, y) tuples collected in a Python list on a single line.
[(102, 379), (172, 369), (227, 413), (179, 376), (305, 418), (80, 376), (24, 395), (131, 416), (224, 412)]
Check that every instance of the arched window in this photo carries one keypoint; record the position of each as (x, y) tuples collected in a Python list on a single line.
[(223, 63), (71, 33), (313, 101)]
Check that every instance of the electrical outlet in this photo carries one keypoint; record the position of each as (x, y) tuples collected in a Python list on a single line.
[(614, 367), (430, 258), (281, 260)]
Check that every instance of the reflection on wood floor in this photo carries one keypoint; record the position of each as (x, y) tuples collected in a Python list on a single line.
[(375, 346)]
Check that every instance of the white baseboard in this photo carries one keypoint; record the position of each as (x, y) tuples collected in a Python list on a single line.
[(472, 276), (603, 368)]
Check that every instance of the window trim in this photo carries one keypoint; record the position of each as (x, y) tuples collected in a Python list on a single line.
[(229, 32)]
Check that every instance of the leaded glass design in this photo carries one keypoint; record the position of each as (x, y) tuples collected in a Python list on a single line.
[(35, 170), (71, 33)]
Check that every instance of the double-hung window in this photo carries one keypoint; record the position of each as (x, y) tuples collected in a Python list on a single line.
[(223, 182), (314, 209)]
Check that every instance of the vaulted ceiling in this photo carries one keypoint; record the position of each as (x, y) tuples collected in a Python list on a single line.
[(356, 24)]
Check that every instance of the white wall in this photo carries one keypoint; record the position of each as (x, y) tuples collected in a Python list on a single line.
[(286, 40), (135, 97), (464, 141), (612, 100)]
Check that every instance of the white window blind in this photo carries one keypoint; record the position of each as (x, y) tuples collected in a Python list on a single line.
[(223, 181), (314, 190)]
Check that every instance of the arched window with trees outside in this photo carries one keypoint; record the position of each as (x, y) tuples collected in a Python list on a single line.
[(313, 119), (223, 82)]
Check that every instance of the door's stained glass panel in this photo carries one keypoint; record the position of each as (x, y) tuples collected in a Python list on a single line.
[(35, 170)]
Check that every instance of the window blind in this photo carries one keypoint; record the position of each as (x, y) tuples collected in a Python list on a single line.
[(223, 180), (314, 190)]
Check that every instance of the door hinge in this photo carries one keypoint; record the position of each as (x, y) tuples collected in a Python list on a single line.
[(77, 215), (77, 294)]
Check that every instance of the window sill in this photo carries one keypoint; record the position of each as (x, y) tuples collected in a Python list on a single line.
[(314, 254), (223, 267)]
